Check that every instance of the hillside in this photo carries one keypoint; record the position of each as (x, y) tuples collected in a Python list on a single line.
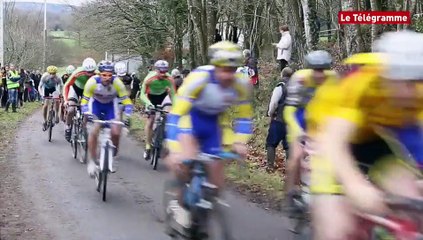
[(52, 8)]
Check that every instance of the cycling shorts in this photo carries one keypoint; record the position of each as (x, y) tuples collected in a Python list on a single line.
[(75, 93), (49, 91), (374, 158), (157, 99), (104, 111), (300, 117), (205, 128)]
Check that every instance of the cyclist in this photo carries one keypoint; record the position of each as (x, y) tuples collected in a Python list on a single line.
[(49, 84), (122, 72), (177, 76), (373, 117), (101, 96), (73, 90), (69, 70), (156, 86), (301, 89), (199, 120)]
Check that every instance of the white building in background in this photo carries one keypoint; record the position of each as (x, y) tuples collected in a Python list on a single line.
[(133, 63)]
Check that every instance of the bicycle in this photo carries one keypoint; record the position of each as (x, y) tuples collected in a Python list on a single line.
[(106, 154), (400, 228), (51, 116), (158, 135), (79, 137), (300, 213), (200, 197)]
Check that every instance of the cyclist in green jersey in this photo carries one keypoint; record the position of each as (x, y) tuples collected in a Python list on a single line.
[(74, 89), (156, 86)]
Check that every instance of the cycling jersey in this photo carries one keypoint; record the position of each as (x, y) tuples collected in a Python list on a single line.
[(201, 109), (102, 101), (49, 84), (77, 80), (155, 85), (383, 128), (301, 89)]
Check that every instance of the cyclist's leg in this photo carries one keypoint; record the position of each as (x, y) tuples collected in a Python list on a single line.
[(296, 154), (71, 110), (331, 215), (95, 108), (113, 112)]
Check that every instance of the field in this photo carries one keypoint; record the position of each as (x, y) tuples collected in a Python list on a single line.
[(68, 38)]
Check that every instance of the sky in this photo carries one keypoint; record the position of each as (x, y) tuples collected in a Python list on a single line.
[(72, 2)]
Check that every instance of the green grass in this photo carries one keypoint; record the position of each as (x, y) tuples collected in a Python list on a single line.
[(66, 37), (10, 122)]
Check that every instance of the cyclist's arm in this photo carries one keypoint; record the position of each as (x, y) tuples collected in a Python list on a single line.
[(243, 125), (123, 95), (71, 80), (89, 89), (41, 84), (143, 94), (187, 93), (172, 89)]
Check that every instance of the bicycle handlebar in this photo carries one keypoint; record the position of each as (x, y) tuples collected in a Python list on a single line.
[(111, 122), (52, 97)]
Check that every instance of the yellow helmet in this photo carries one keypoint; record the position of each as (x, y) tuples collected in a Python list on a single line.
[(52, 69), (225, 54), (370, 58)]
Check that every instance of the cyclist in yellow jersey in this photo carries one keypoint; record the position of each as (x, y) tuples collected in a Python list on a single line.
[(199, 120), (301, 89), (373, 117)]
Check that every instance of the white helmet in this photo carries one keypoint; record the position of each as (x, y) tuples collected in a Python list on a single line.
[(70, 69), (162, 65), (120, 69), (175, 73), (404, 55), (89, 64)]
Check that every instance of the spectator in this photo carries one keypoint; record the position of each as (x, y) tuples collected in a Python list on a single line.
[(251, 63), (23, 75), (217, 36), (135, 87), (4, 95), (277, 129), (12, 81), (284, 47)]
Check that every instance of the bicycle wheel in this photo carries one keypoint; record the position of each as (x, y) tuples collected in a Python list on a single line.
[(105, 170), (155, 157), (74, 140), (82, 145), (50, 125)]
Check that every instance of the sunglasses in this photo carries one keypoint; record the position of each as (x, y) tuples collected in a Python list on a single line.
[(106, 74)]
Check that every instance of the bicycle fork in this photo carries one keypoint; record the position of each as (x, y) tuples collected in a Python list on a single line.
[(108, 144)]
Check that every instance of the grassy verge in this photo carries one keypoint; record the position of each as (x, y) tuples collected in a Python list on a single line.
[(10, 122)]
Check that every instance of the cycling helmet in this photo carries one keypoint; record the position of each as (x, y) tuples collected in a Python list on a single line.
[(161, 66), (70, 69), (364, 58), (319, 59), (403, 55), (106, 66), (175, 73), (226, 54), (120, 69), (52, 69), (89, 64)]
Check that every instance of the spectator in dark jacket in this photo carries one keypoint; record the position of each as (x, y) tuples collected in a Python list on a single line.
[(135, 86), (277, 129)]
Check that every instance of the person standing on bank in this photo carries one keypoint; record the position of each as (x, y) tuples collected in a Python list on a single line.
[(277, 128), (284, 47)]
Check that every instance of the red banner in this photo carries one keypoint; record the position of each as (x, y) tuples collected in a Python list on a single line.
[(370, 17)]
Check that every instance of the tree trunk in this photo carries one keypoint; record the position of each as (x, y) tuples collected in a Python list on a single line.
[(350, 31), (375, 27)]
